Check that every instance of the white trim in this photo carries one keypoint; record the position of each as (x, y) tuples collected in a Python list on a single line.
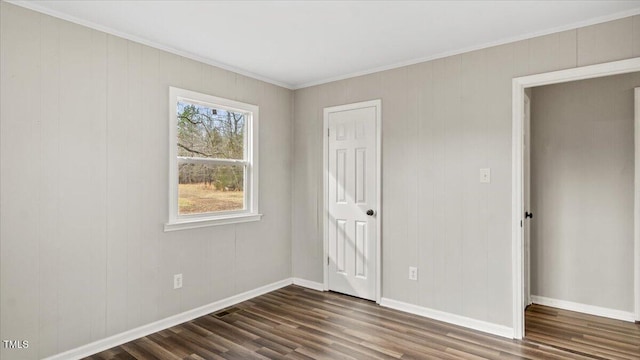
[(517, 203), (44, 10), (527, 155), (200, 223), (313, 285), (325, 201), (325, 166), (379, 195), (201, 160), (250, 163), (584, 308), (144, 330), (580, 73), (380, 202), (57, 14), (636, 211), (517, 209), (450, 318)]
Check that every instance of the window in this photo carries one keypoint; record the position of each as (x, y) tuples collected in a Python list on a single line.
[(213, 165)]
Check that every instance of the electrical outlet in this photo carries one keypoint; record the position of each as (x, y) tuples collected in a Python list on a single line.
[(177, 281), (413, 273)]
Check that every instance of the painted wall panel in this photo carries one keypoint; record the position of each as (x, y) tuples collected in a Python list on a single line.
[(440, 136), (428, 180), (412, 157), (394, 192), (605, 42), (20, 244), (502, 67), (49, 185), (117, 92), (152, 166), (362, 88), (135, 180), (474, 194), (83, 234), (553, 52), (97, 185), (636, 36), (307, 186)]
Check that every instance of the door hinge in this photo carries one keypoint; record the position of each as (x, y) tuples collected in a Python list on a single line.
[(328, 132), (327, 260), (520, 223)]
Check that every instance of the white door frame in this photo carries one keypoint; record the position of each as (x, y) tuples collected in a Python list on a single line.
[(527, 239), (517, 203), (325, 173), (636, 204)]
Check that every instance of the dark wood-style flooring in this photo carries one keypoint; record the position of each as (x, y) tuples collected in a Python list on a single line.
[(601, 338), (297, 323)]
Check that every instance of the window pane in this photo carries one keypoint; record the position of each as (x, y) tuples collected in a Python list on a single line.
[(208, 132), (210, 188)]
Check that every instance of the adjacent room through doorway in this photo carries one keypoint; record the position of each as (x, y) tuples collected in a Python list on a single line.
[(579, 208)]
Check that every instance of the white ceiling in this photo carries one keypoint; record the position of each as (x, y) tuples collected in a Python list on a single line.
[(301, 43)]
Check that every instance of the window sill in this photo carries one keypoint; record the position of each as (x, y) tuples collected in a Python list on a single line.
[(185, 224)]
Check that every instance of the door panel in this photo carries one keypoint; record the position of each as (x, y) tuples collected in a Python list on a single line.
[(352, 192)]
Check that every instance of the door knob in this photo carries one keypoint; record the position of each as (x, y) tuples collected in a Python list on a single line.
[(370, 212), (528, 215)]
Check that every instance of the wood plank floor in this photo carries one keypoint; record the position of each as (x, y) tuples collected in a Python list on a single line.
[(297, 323), (601, 338)]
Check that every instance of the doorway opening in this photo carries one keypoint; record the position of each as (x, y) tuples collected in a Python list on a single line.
[(521, 211)]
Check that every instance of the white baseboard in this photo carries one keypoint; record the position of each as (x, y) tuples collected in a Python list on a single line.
[(584, 308), (144, 330), (454, 319), (309, 284)]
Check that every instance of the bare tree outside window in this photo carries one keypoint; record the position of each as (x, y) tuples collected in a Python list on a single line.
[(209, 140)]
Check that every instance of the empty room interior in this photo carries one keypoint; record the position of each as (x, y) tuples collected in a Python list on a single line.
[(319, 180)]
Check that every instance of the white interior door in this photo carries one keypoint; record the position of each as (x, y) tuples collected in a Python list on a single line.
[(352, 200), (527, 200)]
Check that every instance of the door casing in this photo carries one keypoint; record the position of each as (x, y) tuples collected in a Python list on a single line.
[(325, 173), (527, 199), (517, 175)]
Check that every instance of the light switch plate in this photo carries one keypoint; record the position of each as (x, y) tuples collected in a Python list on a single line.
[(485, 175), (413, 273), (177, 281)]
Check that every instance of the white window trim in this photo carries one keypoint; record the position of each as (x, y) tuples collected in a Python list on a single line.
[(193, 221)]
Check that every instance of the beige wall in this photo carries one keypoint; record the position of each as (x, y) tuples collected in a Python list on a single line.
[(582, 166), (443, 120), (83, 186)]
